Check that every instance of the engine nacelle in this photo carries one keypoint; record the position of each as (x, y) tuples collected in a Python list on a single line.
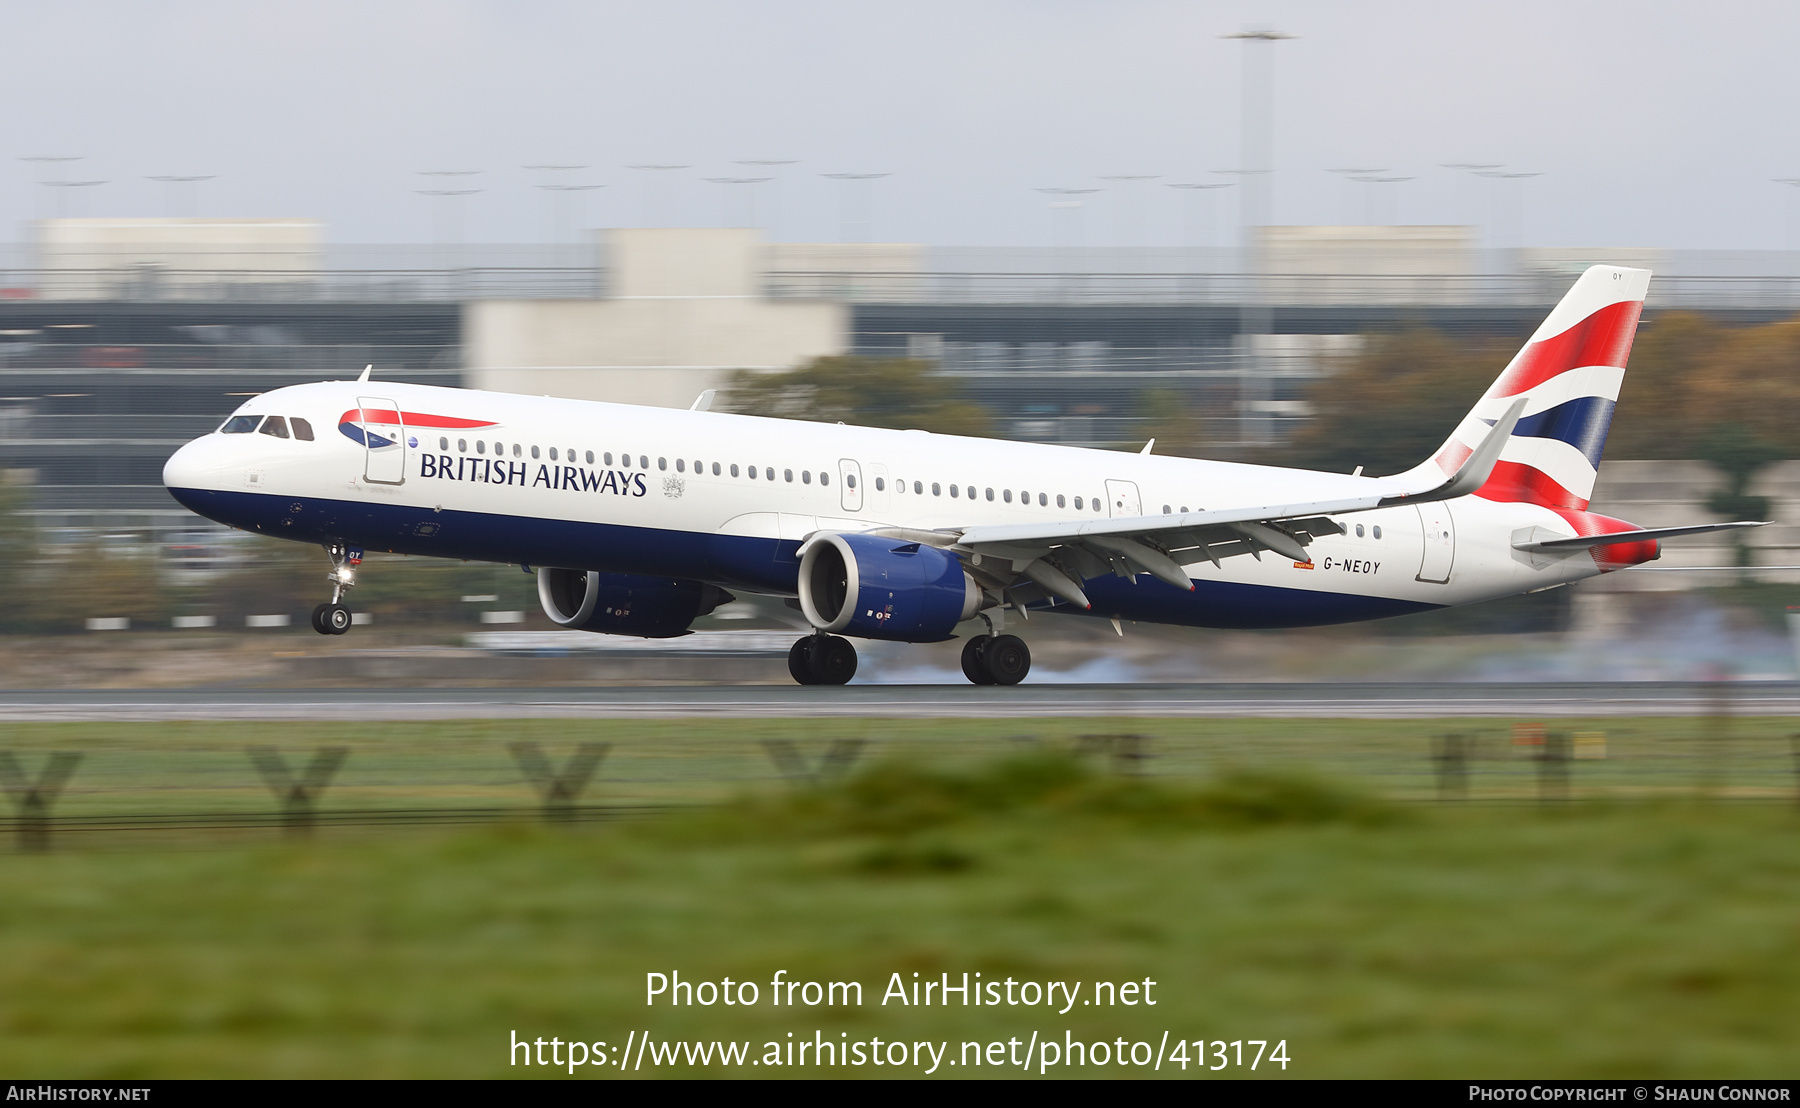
[(877, 588), (624, 603)]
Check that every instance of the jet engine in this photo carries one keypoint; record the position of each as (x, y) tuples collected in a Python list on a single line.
[(877, 588), (624, 603)]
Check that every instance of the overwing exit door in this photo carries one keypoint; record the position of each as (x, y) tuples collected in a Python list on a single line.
[(1122, 499)]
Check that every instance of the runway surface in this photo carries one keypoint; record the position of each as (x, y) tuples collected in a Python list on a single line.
[(1299, 701)]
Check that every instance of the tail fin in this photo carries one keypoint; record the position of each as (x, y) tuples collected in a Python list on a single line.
[(1570, 374)]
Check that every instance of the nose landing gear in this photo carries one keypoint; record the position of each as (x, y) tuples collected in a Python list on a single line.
[(334, 618), (822, 660)]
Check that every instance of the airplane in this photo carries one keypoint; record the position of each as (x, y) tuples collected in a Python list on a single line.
[(639, 520)]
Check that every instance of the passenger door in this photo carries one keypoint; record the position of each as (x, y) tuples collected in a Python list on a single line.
[(1122, 499), (1439, 531), (384, 441), (850, 484)]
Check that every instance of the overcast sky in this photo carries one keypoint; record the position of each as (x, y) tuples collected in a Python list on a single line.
[(1652, 123)]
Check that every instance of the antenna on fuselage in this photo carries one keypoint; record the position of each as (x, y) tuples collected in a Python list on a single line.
[(364, 376)]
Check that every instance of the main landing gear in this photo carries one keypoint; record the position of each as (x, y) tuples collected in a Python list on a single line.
[(334, 618), (996, 659), (822, 660)]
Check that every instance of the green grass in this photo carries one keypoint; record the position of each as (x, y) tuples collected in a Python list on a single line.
[(1643, 932)]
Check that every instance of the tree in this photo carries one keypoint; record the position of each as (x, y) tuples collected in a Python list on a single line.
[(868, 392), (1396, 402), (18, 555), (1173, 420)]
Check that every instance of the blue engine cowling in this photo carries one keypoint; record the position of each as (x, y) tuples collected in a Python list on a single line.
[(624, 603), (876, 588)]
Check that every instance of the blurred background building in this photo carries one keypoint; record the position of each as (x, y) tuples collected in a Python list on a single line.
[(122, 338)]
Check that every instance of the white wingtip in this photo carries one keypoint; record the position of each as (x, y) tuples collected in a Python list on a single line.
[(364, 376)]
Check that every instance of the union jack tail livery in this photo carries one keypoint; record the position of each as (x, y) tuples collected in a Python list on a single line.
[(1569, 374)]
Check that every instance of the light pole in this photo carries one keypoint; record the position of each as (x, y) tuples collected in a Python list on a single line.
[(1371, 216), (48, 160), (552, 201), (1126, 223), (1065, 233), (856, 193), (1508, 232), (446, 210), (1193, 190), (173, 181), (656, 214), (1257, 200), (1793, 223), (62, 190), (772, 166), (725, 208)]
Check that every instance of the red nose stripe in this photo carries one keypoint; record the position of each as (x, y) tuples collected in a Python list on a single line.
[(412, 419)]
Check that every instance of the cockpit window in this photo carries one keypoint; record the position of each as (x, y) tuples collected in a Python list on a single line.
[(240, 425), (302, 429), (276, 426)]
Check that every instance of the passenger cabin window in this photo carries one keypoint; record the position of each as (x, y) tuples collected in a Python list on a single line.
[(1077, 503), (534, 452), (734, 469), (680, 465), (787, 473), (990, 495), (806, 476), (768, 473), (1043, 500), (662, 463), (1378, 530), (1059, 501), (625, 460), (919, 489), (302, 429), (516, 450), (643, 461), (275, 426), (716, 470), (590, 457), (1359, 530), (480, 447), (552, 453), (1005, 494), (953, 491), (935, 491), (698, 468), (240, 425)]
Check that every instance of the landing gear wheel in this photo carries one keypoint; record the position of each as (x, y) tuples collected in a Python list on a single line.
[(833, 661), (800, 660), (1007, 660), (336, 619), (973, 654), (318, 620)]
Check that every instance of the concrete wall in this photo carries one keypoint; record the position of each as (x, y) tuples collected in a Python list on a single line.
[(1673, 493), (95, 259), (684, 311)]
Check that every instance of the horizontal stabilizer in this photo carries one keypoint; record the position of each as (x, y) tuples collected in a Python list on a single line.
[(1582, 542)]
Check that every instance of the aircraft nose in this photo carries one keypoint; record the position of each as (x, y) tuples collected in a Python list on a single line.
[(194, 466)]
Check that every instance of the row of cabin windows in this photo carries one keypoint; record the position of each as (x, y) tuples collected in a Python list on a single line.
[(276, 426), (1005, 495), (768, 474)]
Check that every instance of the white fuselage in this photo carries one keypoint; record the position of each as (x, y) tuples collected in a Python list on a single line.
[(727, 499)]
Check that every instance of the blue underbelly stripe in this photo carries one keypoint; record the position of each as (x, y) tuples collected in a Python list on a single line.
[(728, 560)]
